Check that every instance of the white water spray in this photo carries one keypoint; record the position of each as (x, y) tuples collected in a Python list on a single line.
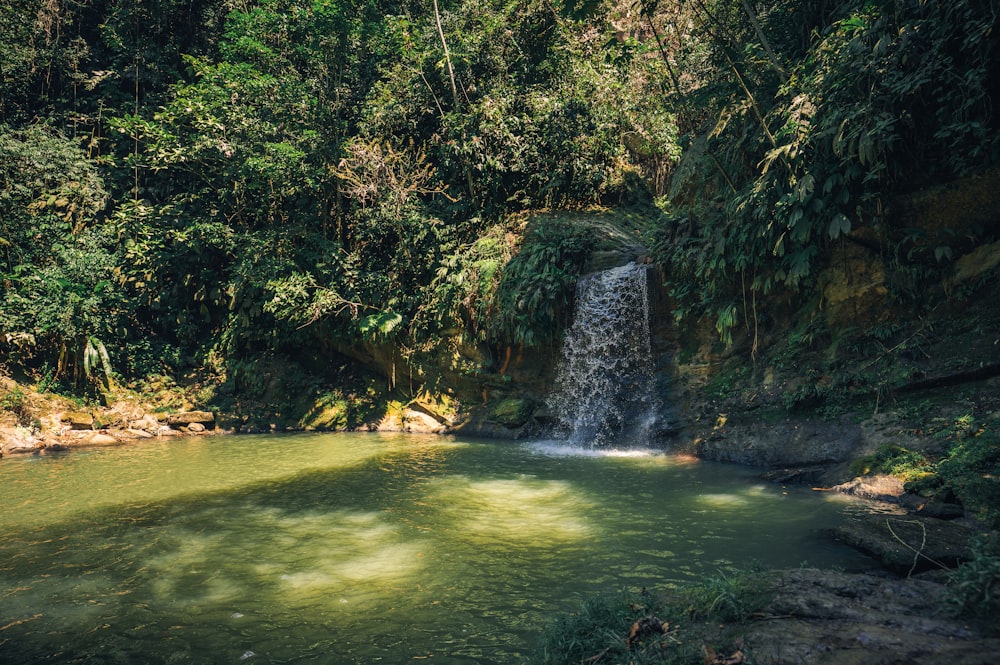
[(604, 390)]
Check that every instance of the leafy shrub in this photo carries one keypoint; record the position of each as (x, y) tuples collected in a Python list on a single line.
[(643, 628), (536, 291), (462, 295), (16, 402), (894, 461), (69, 311), (975, 585), (972, 471)]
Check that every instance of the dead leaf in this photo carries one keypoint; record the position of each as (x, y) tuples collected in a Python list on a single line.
[(648, 625), (713, 658)]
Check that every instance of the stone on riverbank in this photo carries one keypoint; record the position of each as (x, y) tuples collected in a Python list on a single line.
[(79, 420), (794, 443), (878, 487), (907, 543), (921, 505), (16, 445), (101, 439), (178, 420), (827, 617)]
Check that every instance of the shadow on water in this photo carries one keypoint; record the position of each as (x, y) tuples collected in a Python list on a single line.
[(165, 581), (452, 551)]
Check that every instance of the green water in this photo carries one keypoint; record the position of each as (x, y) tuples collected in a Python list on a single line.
[(361, 548)]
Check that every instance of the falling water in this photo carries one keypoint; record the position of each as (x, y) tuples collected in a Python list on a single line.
[(604, 391)]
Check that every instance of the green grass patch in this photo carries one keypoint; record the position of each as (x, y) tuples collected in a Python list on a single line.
[(907, 465), (645, 628), (975, 585)]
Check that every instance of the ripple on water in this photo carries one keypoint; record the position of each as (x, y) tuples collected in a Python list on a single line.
[(555, 448), (357, 549)]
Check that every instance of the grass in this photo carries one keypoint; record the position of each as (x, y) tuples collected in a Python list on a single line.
[(645, 628), (893, 460), (974, 592)]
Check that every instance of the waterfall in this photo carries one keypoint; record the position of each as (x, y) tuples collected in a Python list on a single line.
[(604, 392)]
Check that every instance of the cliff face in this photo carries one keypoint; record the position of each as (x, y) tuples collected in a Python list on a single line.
[(815, 380), (876, 353), (868, 355)]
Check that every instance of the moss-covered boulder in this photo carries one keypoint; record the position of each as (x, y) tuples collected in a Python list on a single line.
[(512, 412), (328, 413), (79, 420)]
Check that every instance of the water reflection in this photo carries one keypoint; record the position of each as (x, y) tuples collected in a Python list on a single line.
[(525, 511), (365, 547)]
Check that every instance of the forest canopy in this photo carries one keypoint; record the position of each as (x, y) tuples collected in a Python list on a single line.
[(199, 184)]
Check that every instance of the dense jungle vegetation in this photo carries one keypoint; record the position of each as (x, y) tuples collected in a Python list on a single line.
[(201, 187)]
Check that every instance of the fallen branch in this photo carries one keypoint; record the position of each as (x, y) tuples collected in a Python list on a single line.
[(917, 553)]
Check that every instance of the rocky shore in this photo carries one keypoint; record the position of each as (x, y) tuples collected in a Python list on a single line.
[(897, 614), (825, 617), (71, 429)]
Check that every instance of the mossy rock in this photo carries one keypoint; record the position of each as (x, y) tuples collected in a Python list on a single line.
[(79, 420), (512, 412), (327, 414), (442, 408)]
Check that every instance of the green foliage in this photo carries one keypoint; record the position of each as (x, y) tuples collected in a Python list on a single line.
[(290, 174), (613, 628), (966, 472), (974, 590), (971, 469), (535, 293), (893, 460), (600, 629), (49, 191), (727, 597), (803, 154), (462, 296), (725, 382), (381, 323), (15, 401), (57, 312), (510, 287), (96, 357)]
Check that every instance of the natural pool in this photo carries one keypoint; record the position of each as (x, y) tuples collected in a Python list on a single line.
[(363, 548)]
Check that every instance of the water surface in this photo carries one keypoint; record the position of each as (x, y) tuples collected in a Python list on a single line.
[(362, 548)]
